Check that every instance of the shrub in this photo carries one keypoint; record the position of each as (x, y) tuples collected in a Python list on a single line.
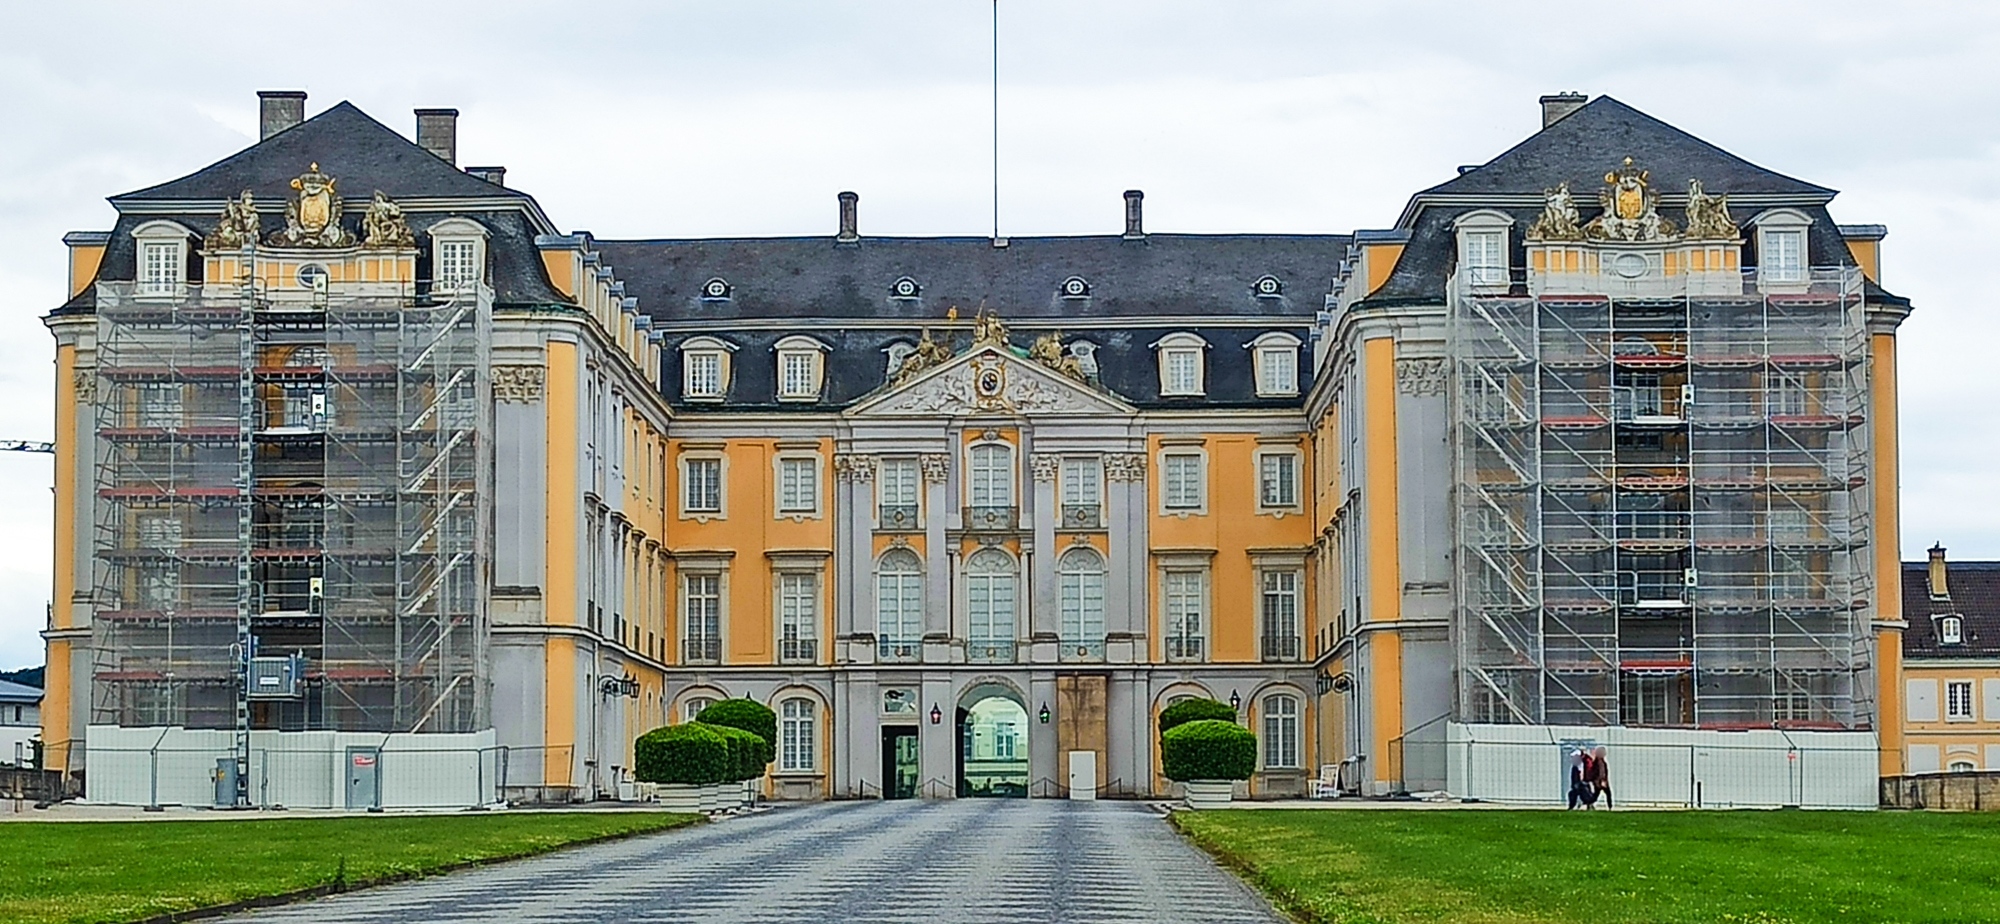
[(1208, 749), (749, 715), (690, 753), (1194, 710), (746, 752)]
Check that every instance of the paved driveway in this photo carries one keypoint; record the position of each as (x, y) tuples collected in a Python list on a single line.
[(975, 860)]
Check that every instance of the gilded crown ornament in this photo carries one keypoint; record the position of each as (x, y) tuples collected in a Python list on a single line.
[(312, 213), (1631, 208)]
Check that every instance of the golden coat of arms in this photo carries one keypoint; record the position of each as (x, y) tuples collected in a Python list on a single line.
[(312, 213)]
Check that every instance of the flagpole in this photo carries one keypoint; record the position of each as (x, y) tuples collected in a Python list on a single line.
[(996, 121)]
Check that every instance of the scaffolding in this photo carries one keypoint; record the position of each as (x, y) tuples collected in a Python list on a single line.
[(1661, 508), (292, 465)]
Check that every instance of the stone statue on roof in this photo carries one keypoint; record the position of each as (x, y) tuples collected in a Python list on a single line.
[(1708, 216), (927, 354), (237, 227), (1559, 220), (1048, 350), (383, 224)]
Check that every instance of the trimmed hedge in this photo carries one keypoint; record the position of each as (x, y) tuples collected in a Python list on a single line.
[(749, 715), (746, 752), (1194, 710), (1208, 749), (690, 753)]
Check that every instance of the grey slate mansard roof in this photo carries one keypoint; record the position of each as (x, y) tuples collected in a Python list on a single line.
[(1975, 598)]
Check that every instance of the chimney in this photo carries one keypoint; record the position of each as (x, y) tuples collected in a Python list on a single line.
[(1135, 224), (437, 132), (849, 220), (495, 175), (1939, 589), (278, 110), (1557, 105)]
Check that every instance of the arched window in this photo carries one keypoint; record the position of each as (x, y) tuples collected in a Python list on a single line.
[(989, 596), (899, 604), (796, 720), (992, 481), (1082, 586), (1281, 731), (1962, 766), (694, 705)]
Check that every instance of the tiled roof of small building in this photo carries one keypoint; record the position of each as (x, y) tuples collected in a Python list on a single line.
[(1975, 599)]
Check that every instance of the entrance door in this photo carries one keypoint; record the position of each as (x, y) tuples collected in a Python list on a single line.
[(993, 748), (364, 778), (899, 762)]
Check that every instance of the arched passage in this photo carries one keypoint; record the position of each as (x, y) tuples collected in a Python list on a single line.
[(992, 742)]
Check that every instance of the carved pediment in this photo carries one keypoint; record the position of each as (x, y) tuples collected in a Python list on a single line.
[(989, 380)]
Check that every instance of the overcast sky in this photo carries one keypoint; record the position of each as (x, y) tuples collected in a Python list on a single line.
[(744, 118)]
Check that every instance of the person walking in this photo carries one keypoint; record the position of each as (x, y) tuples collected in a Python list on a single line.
[(1579, 778), (1599, 777)]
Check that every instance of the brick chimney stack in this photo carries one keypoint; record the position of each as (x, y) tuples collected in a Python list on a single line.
[(1939, 589), (1557, 105), (850, 222), (437, 132), (1135, 218), (278, 110)]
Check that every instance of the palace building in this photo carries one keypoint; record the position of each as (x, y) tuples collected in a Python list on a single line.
[(376, 487)]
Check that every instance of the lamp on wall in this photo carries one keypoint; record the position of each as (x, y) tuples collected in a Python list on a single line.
[(937, 715), (627, 686), (1236, 701), (1044, 715)]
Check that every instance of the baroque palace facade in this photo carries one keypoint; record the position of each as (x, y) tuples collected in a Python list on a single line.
[(376, 487)]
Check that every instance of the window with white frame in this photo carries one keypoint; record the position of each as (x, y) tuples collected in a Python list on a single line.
[(899, 601), (1080, 576), (159, 531), (457, 266), (990, 581), (705, 369), (160, 405), (1183, 486), (1278, 600), (1951, 630), (694, 705), (1786, 394), (797, 727), (991, 481), (701, 481), (701, 601), (798, 615), (1482, 247), (162, 268), (1278, 480), (896, 493), (1182, 369), (1276, 358), (1961, 766), (798, 484), (1185, 600), (800, 368), (1783, 259), (1281, 731), (1958, 700), (1082, 493)]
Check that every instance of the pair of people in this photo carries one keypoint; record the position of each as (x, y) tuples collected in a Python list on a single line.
[(1589, 779)]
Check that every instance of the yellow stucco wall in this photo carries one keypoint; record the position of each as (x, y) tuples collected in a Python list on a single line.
[(1888, 557), (1385, 581), (1975, 739)]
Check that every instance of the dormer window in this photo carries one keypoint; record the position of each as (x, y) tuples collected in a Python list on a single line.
[(1781, 247), (1951, 630), (801, 368), (905, 287), (1276, 358), (1182, 369), (705, 369), (1075, 287), (1267, 286), (458, 259), (1482, 248), (162, 258), (716, 289)]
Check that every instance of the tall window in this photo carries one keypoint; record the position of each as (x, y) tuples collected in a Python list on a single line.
[(798, 485), (798, 374), (694, 705), (1180, 358), (1958, 700), (896, 487), (160, 404), (1784, 256), (1951, 631), (1281, 731), (161, 268), (1184, 483), (703, 485), (1278, 479), (899, 603), (1486, 258), (1786, 395), (989, 594), (798, 616), (1081, 576), (702, 602), (702, 374), (992, 475), (1184, 605), (797, 718), (457, 268), (1277, 370), (1279, 602), (1082, 493)]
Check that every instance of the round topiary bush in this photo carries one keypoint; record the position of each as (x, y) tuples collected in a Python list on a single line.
[(1194, 710), (690, 753), (749, 715), (746, 752), (1208, 749)]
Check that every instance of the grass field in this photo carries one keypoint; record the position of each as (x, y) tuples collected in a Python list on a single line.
[(127, 871), (1505, 867)]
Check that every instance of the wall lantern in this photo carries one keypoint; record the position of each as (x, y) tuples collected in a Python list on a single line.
[(1044, 716), (937, 715), (1236, 701), (627, 686)]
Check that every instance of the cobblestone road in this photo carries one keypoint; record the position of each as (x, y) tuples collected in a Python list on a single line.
[(974, 860)]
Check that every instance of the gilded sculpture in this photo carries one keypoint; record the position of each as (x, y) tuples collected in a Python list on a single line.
[(1631, 208), (927, 354), (238, 225), (1708, 216), (1559, 220), (1048, 350), (312, 213), (988, 331), (383, 224)]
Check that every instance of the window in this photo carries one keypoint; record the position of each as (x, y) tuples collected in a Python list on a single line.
[(1081, 580), (799, 368), (1184, 604), (1485, 258), (992, 475), (1951, 631), (1279, 605), (702, 602), (1082, 493), (1276, 356), (1181, 367), (798, 485), (1783, 259), (457, 268), (1789, 523), (796, 728), (1281, 731), (694, 706), (705, 369), (159, 531), (1278, 479), (160, 405), (1958, 700), (1185, 487), (896, 493), (1785, 395), (161, 267), (899, 604), (1957, 766), (989, 597), (798, 616), (702, 480)]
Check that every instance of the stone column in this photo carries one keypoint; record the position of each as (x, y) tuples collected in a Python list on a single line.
[(1045, 610), (1125, 618), (936, 469)]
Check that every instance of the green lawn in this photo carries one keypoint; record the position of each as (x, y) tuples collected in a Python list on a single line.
[(127, 871), (1490, 866)]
